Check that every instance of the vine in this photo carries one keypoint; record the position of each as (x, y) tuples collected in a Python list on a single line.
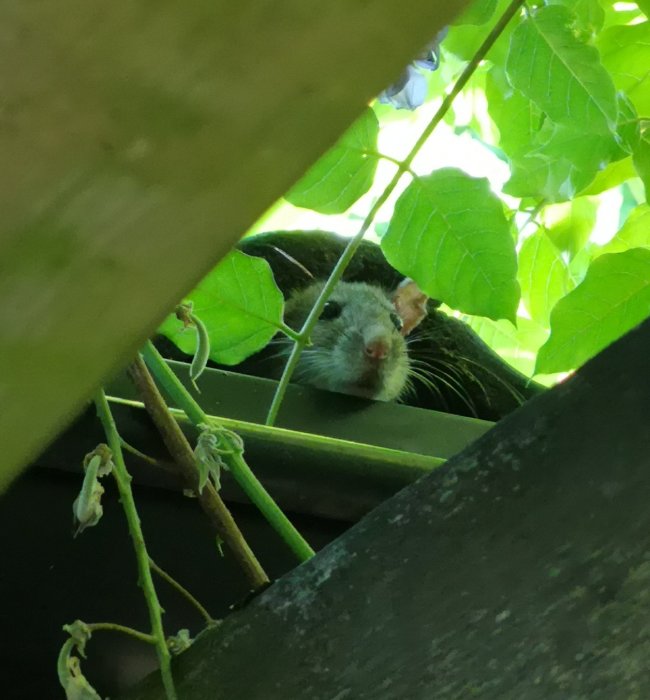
[(123, 480)]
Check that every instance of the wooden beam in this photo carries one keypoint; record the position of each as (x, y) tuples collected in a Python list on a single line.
[(139, 141)]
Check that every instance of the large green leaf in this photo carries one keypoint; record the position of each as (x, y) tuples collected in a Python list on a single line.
[(450, 234), (517, 118), (613, 175), (561, 167), (478, 12), (625, 52), (589, 15), (543, 276), (463, 40), (565, 160), (613, 298), (344, 173), (635, 233), (562, 75), (570, 224), (641, 160), (240, 305), (518, 345), (620, 13)]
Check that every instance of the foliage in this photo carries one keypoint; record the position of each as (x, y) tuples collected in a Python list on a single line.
[(240, 305), (451, 234), (344, 173), (567, 89)]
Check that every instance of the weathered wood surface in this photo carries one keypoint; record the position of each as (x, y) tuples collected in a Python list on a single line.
[(139, 141), (517, 571)]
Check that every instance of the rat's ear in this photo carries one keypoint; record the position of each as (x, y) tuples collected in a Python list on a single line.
[(410, 303)]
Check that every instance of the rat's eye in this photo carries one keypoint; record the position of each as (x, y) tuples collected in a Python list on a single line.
[(397, 321), (331, 310)]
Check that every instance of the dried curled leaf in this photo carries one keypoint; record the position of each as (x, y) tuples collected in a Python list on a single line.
[(185, 314), (202, 354), (74, 683), (79, 633), (87, 508), (179, 642), (214, 442), (105, 455)]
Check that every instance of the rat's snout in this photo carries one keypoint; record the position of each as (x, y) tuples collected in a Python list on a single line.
[(377, 349)]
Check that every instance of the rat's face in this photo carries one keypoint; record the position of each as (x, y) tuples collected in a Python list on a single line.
[(357, 345)]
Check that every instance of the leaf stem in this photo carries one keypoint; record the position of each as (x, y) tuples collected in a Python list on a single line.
[(237, 465), (146, 458), (383, 156), (114, 627), (403, 167), (533, 215), (289, 332), (145, 581), (182, 590)]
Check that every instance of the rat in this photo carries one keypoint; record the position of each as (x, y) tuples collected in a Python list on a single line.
[(358, 345)]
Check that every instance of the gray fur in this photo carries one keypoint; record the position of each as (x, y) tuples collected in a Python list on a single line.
[(336, 360)]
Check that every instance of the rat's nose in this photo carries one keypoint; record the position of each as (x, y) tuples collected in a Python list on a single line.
[(377, 349)]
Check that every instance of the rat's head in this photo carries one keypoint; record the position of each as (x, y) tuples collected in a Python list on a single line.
[(358, 344)]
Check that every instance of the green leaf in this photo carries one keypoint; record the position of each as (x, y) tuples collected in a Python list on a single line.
[(613, 175), (344, 173), (635, 233), (464, 40), (240, 306), (560, 74), (625, 52), (561, 161), (570, 224), (613, 298), (641, 160), (478, 12), (562, 166), (617, 13), (449, 233), (644, 6), (516, 345), (543, 276), (517, 118), (628, 130), (589, 15)]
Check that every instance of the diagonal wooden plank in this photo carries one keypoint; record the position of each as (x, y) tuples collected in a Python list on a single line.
[(139, 140), (502, 575)]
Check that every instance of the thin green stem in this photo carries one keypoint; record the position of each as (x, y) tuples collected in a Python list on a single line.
[(403, 167), (182, 590), (391, 159), (237, 465), (375, 456), (463, 79), (533, 214), (114, 627), (268, 507), (289, 332), (144, 457), (123, 480), (172, 384)]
